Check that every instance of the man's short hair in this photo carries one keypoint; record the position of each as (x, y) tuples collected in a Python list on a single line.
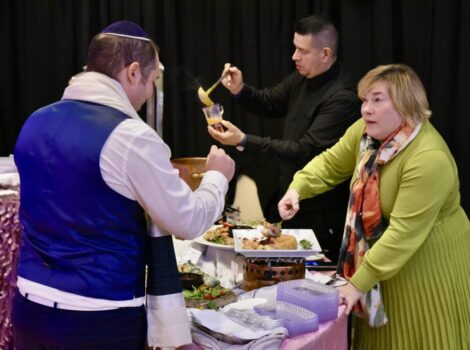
[(322, 28), (109, 54)]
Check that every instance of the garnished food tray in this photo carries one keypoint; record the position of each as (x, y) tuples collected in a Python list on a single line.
[(220, 236), (209, 297), (304, 235), (203, 241)]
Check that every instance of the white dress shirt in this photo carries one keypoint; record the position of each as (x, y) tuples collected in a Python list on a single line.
[(135, 162)]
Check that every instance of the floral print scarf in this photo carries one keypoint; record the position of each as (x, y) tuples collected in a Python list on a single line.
[(364, 222)]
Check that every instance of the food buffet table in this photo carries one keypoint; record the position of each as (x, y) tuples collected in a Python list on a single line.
[(222, 262), (227, 266)]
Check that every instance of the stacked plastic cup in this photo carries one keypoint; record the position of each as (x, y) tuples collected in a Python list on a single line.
[(295, 319), (316, 297)]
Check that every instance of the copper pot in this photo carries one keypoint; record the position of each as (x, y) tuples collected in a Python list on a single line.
[(191, 170)]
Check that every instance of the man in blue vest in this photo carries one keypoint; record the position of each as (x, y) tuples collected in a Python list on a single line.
[(94, 177)]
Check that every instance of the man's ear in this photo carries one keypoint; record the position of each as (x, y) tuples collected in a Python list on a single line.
[(133, 73), (326, 54)]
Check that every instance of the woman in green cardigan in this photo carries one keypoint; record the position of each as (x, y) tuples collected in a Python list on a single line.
[(406, 243)]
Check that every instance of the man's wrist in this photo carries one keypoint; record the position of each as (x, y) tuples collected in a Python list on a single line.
[(238, 93), (241, 145)]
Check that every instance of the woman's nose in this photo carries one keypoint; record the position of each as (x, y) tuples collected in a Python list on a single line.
[(365, 107)]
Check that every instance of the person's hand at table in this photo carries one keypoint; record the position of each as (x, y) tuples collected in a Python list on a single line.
[(349, 296), (232, 135), (288, 206), (218, 160)]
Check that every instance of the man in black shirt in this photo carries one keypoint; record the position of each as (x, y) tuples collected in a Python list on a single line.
[(319, 103)]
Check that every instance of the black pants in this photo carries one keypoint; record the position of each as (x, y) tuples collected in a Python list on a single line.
[(38, 327)]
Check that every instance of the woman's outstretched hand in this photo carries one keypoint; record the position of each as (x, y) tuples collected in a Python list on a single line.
[(289, 204)]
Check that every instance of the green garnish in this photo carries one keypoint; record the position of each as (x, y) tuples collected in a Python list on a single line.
[(306, 244), (218, 240)]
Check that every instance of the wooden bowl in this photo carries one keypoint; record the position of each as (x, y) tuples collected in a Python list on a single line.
[(191, 170)]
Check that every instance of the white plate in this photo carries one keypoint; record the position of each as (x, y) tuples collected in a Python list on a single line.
[(299, 234), (202, 240), (316, 256)]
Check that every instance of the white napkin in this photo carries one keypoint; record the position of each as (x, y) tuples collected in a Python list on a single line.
[(7, 165), (269, 342), (331, 280), (220, 323), (10, 179)]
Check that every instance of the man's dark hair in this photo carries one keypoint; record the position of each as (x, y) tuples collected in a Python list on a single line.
[(109, 54), (322, 28)]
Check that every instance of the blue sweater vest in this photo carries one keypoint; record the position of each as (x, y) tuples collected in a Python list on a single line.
[(80, 236)]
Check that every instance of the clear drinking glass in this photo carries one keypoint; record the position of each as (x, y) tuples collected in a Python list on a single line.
[(214, 116)]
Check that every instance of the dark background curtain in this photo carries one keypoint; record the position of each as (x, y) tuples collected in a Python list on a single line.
[(44, 43)]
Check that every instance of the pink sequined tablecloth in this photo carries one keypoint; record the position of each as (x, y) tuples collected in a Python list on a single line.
[(10, 232)]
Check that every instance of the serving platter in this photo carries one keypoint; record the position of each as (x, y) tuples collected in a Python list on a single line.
[(299, 234), (203, 241)]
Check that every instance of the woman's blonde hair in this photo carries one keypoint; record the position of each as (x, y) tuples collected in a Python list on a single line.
[(404, 87)]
